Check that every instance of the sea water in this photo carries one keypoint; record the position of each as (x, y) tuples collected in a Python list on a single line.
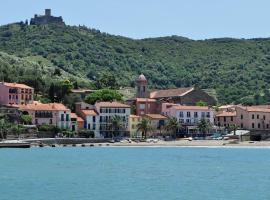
[(134, 173)]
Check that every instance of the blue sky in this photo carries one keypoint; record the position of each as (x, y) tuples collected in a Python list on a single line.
[(195, 19)]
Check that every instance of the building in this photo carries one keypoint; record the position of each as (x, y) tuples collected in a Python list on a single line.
[(15, 94), (189, 116), (46, 19), (158, 122), (145, 106), (77, 123), (51, 114), (98, 117), (134, 120), (106, 111), (151, 102)]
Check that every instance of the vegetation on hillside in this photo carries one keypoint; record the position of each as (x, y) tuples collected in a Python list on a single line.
[(238, 70)]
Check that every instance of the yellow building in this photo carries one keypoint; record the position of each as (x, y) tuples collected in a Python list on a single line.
[(133, 122)]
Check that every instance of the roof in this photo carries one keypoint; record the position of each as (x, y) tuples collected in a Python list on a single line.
[(145, 100), (44, 107), (155, 116), (134, 116), (226, 114), (171, 92), (255, 108), (180, 107), (113, 104), (74, 115), (141, 78), (17, 85), (91, 112), (79, 91)]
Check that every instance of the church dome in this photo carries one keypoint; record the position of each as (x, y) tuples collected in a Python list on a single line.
[(141, 78)]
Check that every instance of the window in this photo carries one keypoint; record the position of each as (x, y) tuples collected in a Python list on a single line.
[(267, 126), (94, 119), (181, 114), (224, 119), (67, 117), (187, 121), (259, 125), (241, 116), (50, 121), (195, 114), (94, 126), (203, 115), (231, 118), (218, 119), (9, 96), (188, 114), (208, 114), (258, 116), (88, 126), (22, 96), (264, 117), (142, 106), (62, 117), (36, 121), (242, 125), (253, 125), (253, 116)]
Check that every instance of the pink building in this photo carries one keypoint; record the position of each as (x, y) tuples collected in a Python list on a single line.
[(14, 93), (53, 113)]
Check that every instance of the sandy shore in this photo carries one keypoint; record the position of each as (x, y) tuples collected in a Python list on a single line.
[(197, 143)]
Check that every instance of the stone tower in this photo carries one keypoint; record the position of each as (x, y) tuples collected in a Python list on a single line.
[(141, 87), (47, 12)]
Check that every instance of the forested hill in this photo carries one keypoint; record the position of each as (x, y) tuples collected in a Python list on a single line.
[(239, 70)]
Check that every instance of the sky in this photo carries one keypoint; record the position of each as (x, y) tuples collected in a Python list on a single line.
[(195, 19)]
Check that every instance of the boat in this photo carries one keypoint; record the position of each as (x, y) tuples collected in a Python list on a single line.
[(14, 144)]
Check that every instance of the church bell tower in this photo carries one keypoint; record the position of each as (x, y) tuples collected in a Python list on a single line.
[(141, 87)]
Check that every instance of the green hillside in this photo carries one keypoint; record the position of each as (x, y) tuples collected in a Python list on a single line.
[(237, 70)]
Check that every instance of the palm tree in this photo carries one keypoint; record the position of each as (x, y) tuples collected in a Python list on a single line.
[(204, 126), (144, 126), (233, 127), (3, 128), (173, 125), (116, 124)]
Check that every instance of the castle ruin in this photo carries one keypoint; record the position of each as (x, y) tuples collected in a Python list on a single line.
[(46, 19)]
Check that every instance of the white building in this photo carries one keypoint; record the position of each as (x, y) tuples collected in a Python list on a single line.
[(189, 116), (98, 117)]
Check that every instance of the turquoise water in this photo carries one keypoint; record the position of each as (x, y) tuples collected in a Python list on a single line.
[(134, 174)]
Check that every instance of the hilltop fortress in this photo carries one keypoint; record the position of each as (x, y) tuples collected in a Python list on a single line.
[(46, 19)]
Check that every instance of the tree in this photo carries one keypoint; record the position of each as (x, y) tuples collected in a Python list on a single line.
[(108, 81), (201, 103), (104, 95), (26, 119), (116, 125), (58, 90), (3, 128), (233, 127), (144, 126), (173, 125), (204, 126)]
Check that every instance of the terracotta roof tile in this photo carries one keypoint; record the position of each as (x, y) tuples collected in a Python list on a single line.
[(171, 92), (45, 107), (91, 112), (17, 85), (145, 100), (226, 114), (113, 104), (155, 116), (180, 107)]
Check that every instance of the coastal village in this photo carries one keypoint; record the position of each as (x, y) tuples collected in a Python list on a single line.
[(170, 114), (167, 114)]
